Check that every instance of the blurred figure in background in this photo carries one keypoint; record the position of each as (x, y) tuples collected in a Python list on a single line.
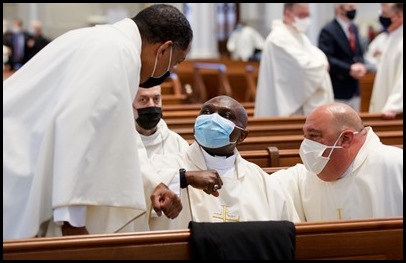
[(18, 45), (387, 93), (245, 43), (376, 46), (340, 41), (36, 40), (293, 76)]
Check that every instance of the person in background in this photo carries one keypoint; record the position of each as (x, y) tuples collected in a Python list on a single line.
[(376, 46), (387, 92), (18, 45), (293, 76), (246, 192), (36, 40), (347, 173), (340, 41), (245, 43), (155, 134)]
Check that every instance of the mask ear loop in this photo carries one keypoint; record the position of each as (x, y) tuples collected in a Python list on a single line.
[(334, 146)]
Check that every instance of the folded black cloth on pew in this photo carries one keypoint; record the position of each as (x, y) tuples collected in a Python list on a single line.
[(261, 240)]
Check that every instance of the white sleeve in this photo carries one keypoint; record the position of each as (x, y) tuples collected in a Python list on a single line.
[(75, 215)]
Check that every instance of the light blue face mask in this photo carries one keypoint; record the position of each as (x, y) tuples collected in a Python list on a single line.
[(213, 131)]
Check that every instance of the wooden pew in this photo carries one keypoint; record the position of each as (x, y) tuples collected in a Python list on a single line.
[(296, 128), (274, 157), (236, 75), (189, 121), (242, 77), (352, 239), (294, 141), (197, 106)]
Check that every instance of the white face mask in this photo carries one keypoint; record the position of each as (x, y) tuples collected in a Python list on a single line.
[(311, 153), (301, 24)]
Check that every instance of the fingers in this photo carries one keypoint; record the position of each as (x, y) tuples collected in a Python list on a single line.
[(165, 201), (213, 190), (156, 205), (171, 206)]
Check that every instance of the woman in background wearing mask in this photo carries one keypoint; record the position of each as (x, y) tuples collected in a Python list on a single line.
[(293, 75), (247, 193), (347, 173)]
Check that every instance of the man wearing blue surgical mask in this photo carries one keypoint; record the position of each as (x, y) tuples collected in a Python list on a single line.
[(347, 173), (341, 43), (293, 74), (247, 193)]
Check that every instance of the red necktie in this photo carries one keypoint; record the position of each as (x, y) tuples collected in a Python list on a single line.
[(351, 38)]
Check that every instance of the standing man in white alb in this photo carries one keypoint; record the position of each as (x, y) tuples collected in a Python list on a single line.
[(244, 42), (387, 93), (293, 74)]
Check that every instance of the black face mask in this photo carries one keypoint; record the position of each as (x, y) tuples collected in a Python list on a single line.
[(385, 21), (351, 14), (151, 82), (149, 117)]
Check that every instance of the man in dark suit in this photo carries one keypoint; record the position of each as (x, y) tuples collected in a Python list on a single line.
[(340, 41), (18, 45)]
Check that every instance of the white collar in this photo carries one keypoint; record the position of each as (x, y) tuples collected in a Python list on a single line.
[(225, 166)]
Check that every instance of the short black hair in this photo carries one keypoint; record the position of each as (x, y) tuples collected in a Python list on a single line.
[(162, 22)]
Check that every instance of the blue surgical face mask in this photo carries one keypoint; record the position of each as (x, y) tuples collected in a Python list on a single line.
[(213, 131), (155, 81)]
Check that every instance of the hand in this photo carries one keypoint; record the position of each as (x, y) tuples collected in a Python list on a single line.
[(358, 70), (164, 200), (69, 230), (389, 115), (208, 180)]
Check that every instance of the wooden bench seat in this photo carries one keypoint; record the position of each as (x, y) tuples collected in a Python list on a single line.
[(352, 239), (188, 122), (294, 141), (296, 128), (274, 157)]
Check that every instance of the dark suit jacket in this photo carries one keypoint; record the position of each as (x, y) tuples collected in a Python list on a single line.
[(335, 44)]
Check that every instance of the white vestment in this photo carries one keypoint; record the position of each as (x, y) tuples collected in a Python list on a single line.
[(250, 194), (293, 76), (387, 93), (373, 188), (68, 133), (164, 141), (243, 42), (375, 48)]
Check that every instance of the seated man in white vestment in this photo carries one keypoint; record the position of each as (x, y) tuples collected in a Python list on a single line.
[(387, 92), (293, 77), (347, 173), (247, 192), (71, 163), (155, 134)]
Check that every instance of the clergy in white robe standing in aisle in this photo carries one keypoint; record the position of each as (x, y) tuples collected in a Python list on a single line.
[(70, 158), (387, 92), (293, 76), (347, 173), (247, 192), (154, 132)]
